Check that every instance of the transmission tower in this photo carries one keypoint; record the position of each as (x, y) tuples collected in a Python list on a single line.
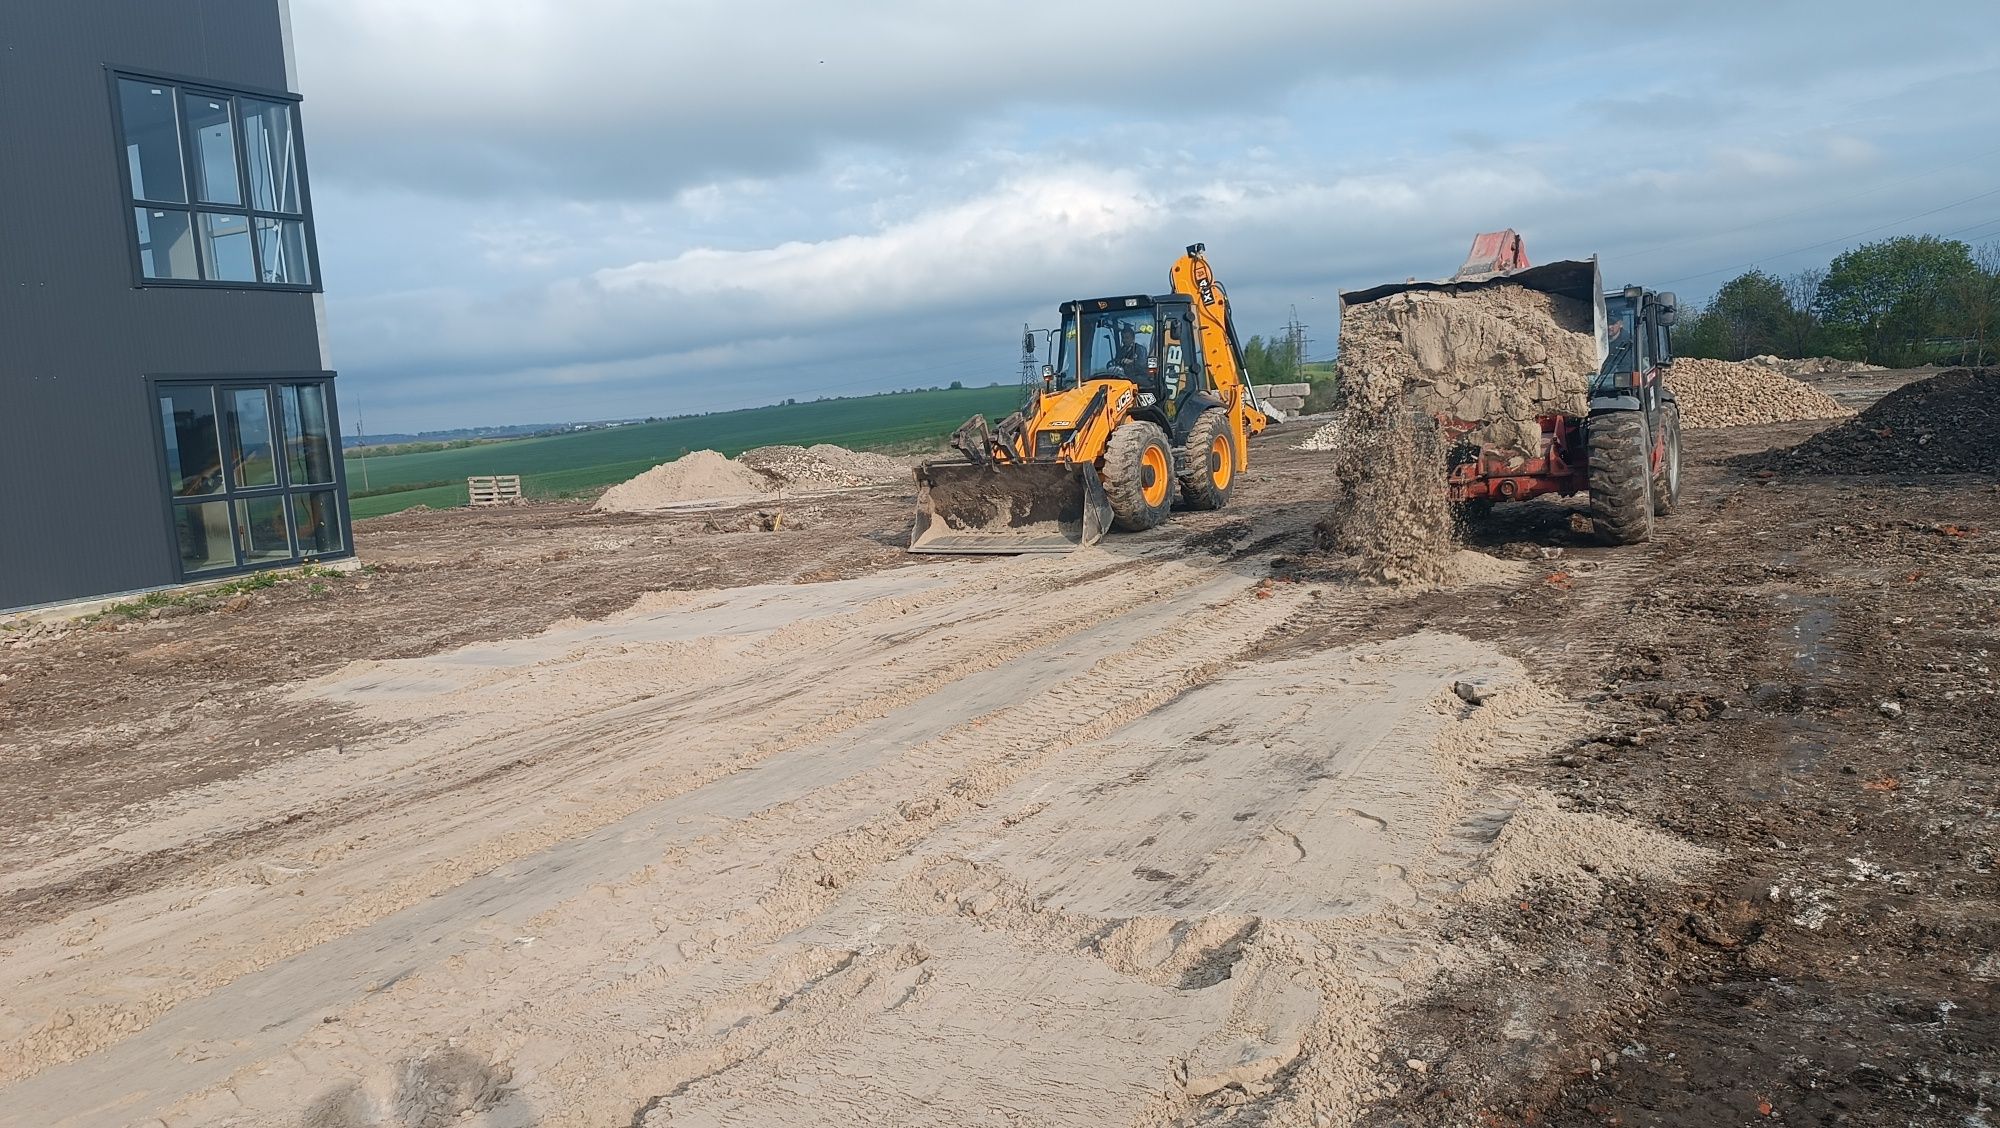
[(1028, 370), (1295, 335)]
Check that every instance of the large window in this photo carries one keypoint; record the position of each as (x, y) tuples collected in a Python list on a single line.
[(215, 186), (251, 473)]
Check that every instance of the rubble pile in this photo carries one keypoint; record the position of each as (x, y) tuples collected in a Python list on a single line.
[(824, 466), (1943, 425), (1812, 365), (1721, 393)]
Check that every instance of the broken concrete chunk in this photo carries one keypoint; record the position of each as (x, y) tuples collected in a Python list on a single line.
[(1474, 692)]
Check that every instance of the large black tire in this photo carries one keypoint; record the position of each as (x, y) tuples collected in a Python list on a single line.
[(1138, 473), (1621, 477), (1667, 482), (1208, 461)]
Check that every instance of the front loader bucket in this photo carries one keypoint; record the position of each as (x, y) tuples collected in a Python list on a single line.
[(1008, 507)]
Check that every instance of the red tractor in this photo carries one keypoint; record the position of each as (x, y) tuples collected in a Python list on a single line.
[(1625, 450)]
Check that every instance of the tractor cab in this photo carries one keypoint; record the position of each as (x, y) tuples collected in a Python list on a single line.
[(1638, 343)]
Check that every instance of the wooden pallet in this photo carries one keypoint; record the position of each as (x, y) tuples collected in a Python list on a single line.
[(493, 489)]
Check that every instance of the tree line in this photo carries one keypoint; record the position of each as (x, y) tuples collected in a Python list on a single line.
[(1902, 302)]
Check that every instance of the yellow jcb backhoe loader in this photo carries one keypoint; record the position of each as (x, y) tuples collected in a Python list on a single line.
[(1146, 399)]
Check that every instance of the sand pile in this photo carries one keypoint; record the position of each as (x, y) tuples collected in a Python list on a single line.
[(1719, 393), (707, 476), (702, 476), (1812, 365), (824, 466), (1502, 355), (1943, 425)]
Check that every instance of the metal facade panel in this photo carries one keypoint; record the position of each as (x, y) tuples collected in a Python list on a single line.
[(81, 511)]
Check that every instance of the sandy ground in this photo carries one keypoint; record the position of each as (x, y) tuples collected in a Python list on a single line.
[(574, 819)]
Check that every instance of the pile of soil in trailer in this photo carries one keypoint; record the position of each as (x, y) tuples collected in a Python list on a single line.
[(1502, 355), (1721, 393), (1947, 424), (1498, 355)]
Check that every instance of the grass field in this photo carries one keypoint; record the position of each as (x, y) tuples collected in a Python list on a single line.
[(573, 464)]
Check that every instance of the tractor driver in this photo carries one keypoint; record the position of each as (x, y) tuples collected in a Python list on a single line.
[(1131, 355)]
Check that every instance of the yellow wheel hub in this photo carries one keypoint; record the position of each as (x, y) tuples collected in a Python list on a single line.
[(1153, 475), (1221, 467)]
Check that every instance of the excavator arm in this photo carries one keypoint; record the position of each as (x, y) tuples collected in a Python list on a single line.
[(1219, 348)]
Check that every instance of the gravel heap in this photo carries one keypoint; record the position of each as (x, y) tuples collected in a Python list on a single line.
[(1943, 425), (1501, 355), (823, 467), (1812, 365), (1326, 438), (1720, 393)]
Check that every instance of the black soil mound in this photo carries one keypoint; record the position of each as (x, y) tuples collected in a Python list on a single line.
[(1948, 424)]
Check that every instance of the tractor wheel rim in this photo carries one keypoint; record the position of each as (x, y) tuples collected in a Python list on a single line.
[(1221, 468), (1153, 475)]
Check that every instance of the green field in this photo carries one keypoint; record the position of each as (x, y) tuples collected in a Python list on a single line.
[(576, 464)]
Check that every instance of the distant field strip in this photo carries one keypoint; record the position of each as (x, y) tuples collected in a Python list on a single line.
[(561, 465)]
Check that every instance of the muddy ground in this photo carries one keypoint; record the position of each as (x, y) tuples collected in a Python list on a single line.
[(1796, 676)]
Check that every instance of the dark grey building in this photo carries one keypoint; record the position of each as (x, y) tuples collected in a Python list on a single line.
[(166, 409)]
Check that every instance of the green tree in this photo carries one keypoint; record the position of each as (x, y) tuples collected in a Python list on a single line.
[(1889, 296), (1972, 306), (1802, 335), (1256, 359), (1269, 362), (1701, 333), (1753, 314)]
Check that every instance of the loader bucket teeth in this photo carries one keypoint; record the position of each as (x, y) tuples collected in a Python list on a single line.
[(1008, 507)]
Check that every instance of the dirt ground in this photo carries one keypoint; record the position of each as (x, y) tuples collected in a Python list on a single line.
[(551, 817)]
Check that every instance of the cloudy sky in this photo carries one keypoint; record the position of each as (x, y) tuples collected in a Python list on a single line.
[(540, 210)]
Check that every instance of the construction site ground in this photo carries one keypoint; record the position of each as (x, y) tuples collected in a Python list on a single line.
[(552, 817)]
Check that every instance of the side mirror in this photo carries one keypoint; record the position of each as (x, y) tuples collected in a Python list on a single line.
[(1667, 315), (1048, 371)]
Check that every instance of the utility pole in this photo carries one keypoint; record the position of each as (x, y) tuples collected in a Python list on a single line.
[(1295, 335), (361, 444)]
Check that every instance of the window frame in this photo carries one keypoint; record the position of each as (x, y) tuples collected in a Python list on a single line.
[(183, 86), (232, 493)]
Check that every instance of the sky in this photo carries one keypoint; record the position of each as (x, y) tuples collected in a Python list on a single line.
[(558, 210)]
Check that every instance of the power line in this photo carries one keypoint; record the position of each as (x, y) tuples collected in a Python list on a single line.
[(1982, 223), (1838, 239), (1819, 207)]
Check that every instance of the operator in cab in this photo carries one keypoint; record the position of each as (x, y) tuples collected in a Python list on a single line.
[(1131, 355)]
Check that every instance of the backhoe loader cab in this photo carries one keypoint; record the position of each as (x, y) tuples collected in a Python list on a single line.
[(1143, 402), (1148, 342)]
